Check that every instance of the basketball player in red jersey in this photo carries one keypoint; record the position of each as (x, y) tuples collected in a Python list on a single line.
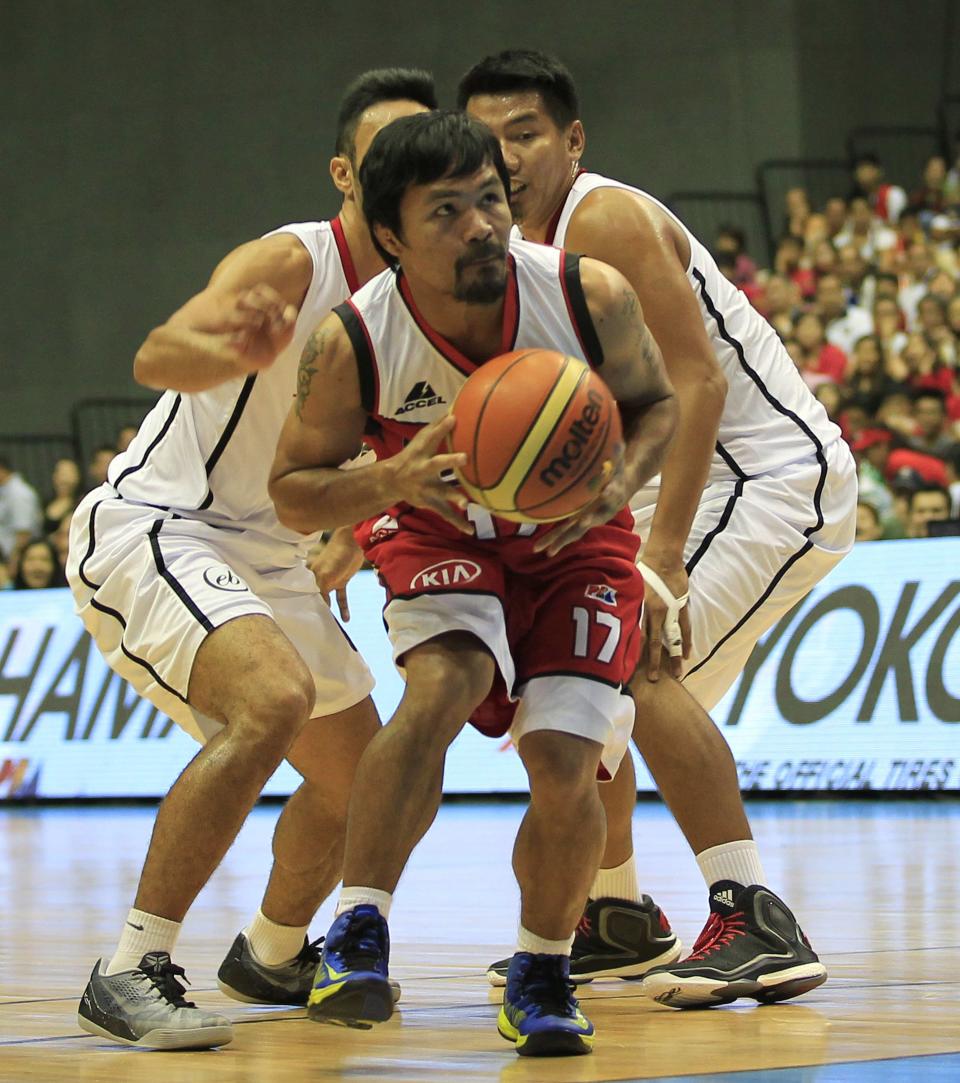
[(197, 595), (499, 642), (756, 503)]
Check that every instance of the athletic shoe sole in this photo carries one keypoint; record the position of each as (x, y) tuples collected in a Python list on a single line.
[(546, 1043), (358, 1004), (631, 972), (678, 991), (201, 1038)]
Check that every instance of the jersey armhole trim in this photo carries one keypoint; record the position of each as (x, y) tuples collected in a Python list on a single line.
[(363, 351), (577, 308)]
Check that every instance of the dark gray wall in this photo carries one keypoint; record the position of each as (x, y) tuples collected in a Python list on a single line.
[(141, 141)]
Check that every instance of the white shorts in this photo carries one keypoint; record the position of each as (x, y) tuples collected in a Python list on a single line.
[(757, 546), (571, 704), (150, 587)]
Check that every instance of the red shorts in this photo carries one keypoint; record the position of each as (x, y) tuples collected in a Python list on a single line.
[(576, 614)]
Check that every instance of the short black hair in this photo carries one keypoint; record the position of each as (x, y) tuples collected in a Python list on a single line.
[(421, 149), (524, 69), (930, 393), (866, 157), (373, 87)]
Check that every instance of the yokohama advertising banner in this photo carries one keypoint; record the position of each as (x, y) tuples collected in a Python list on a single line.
[(856, 689)]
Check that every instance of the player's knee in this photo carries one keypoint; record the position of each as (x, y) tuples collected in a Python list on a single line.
[(449, 677), (275, 711), (562, 768)]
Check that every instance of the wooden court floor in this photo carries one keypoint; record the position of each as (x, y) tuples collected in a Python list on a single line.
[(876, 886)]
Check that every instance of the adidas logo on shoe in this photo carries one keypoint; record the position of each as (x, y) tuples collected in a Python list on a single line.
[(725, 896), (420, 396)]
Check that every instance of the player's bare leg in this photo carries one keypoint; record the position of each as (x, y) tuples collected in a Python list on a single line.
[(248, 676), (272, 961), (560, 841), (395, 798), (555, 857), (691, 764), (309, 836), (399, 780)]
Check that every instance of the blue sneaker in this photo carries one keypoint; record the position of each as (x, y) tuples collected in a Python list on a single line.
[(540, 1014), (351, 988)]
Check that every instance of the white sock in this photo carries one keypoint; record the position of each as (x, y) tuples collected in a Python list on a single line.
[(617, 883), (271, 943), (365, 896), (528, 941), (737, 861), (143, 933)]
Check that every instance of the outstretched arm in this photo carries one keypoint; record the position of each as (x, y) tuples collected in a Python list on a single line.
[(237, 325), (324, 429), (633, 370)]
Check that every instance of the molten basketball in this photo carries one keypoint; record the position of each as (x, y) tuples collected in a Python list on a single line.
[(540, 431)]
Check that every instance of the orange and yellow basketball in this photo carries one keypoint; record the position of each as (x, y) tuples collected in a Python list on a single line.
[(540, 431)]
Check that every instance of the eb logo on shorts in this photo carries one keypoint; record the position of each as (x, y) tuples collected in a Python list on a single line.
[(220, 577), (448, 573)]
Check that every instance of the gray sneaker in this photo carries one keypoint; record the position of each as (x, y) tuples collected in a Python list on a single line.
[(146, 1007), (243, 977)]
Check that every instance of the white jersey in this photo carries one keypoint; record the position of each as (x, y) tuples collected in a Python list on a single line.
[(410, 374), (207, 455), (770, 418)]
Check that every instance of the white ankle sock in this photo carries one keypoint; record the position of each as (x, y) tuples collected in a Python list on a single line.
[(365, 896), (271, 943), (143, 933), (737, 861), (528, 941), (617, 883)]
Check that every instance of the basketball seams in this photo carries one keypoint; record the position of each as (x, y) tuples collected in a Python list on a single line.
[(550, 413), (478, 426)]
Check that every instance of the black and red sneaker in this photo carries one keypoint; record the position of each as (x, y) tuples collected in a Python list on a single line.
[(614, 939), (751, 946)]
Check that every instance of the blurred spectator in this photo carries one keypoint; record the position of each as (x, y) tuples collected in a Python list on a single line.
[(919, 270), (865, 231), (797, 207), (868, 382), (906, 465), (930, 198), (920, 366), (896, 412), (886, 200), (66, 494), (20, 514), (852, 270), (781, 298), (844, 323), (732, 240), (824, 260), (951, 183), (888, 322), (38, 567), (125, 437), (930, 417), (830, 397), (869, 527), (871, 450), (819, 361), (61, 538), (815, 231), (931, 503), (99, 463), (953, 316), (835, 214)]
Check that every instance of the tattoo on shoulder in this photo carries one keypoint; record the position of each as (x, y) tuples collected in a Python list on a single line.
[(308, 369)]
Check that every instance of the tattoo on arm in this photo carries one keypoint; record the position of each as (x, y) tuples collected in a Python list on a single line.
[(308, 369)]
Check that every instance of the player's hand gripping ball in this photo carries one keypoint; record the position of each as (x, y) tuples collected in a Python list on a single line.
[(541, 433)]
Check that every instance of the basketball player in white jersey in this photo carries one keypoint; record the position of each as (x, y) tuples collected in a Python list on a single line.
[(499, 642), (756, 502), (197, 595)]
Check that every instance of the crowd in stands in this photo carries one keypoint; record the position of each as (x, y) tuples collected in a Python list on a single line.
[(864, 292), (34, 532)]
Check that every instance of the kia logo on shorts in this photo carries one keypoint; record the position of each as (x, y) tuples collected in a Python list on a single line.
[(448, 573), (220, 577)]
